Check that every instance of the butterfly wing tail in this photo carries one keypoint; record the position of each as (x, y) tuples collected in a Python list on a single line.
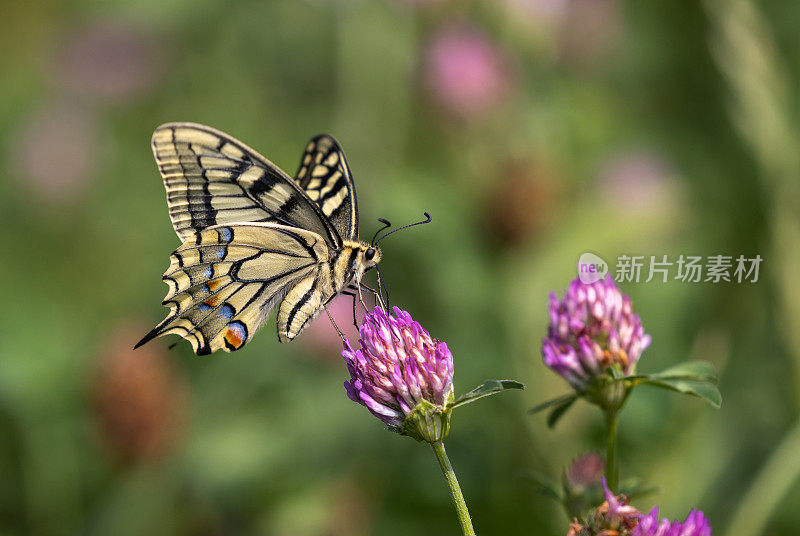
[(152, 334)]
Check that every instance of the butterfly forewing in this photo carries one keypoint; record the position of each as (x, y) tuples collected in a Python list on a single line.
[(212, 178), (224, 282), (325, 176)]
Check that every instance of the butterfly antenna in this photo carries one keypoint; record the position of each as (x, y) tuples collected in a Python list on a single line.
[(426, 220), (386, 225)]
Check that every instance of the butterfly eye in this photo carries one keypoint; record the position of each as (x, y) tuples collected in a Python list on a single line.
[(369, 254)]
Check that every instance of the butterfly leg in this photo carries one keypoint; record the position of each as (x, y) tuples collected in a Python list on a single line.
[(375, 293), (382, 289), (361, 298), (341, 335), (354, 288), (353, 295)]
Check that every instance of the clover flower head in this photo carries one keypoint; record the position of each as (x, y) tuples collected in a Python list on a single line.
[(615, 516), (401, 374), (617, 510), (695, 524), (592, 328), (581, 483), (586, 470)]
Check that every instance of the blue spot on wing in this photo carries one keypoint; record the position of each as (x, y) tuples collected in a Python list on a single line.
[(227, 311), (209, 272), (239, 329), (225, 234)]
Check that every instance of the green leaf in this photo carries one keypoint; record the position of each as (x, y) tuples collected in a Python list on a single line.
[(635, 488), (639, 492), (552, 402), (543, 485), (558, 405), (487, 388), (696, 371), (559, 411), (696, 378), (701, 389)]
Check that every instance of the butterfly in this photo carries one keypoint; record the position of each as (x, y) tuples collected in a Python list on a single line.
[(253, 237)]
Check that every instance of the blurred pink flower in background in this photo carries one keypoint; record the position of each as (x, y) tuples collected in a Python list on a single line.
[(546, 11), (350, 509), (589, 30), (586, 470), (523, 202), (422, 3), (581, 33), (106, 59), (139, 401), (56, 152), (465, 72), (321, 337), (639, 180)]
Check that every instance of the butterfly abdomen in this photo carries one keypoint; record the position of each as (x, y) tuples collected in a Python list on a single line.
[(303, 303)]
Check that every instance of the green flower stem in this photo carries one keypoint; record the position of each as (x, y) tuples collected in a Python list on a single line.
[(612, 469), (455, 489)]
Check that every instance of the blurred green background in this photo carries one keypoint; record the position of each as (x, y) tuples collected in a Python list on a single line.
[(532, 131)]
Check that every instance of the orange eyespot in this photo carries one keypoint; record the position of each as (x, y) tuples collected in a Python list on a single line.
[(212, 301), (232, 338), (235, 335), (213, 284)]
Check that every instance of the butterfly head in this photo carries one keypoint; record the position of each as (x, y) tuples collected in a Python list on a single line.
[(372, 254), (364, 257), (369, 255)]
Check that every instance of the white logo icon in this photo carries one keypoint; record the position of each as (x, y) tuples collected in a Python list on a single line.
[(591, 268)]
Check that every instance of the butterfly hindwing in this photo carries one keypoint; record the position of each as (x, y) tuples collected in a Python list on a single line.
[(325, 176), (212, 179), (224, 281)]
